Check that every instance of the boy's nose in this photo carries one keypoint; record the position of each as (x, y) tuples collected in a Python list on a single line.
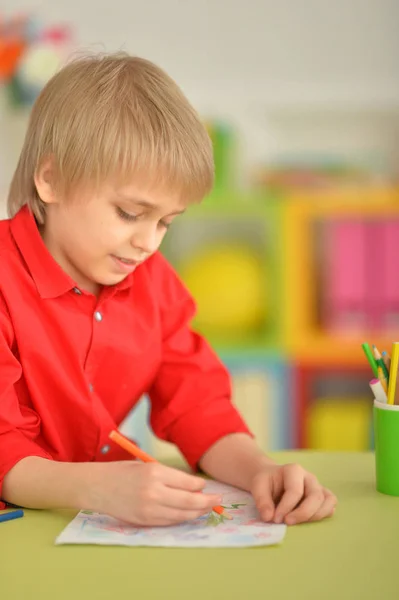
[(146, 242)]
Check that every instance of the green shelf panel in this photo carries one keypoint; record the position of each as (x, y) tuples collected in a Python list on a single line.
[(233, 203)]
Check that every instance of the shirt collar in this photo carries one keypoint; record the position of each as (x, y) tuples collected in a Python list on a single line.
[(50, 279)]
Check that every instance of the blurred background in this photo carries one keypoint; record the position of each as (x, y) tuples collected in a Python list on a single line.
[(293, 258)]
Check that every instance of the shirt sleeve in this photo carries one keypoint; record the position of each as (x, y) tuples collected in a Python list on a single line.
[(191, 395), (19, 424)]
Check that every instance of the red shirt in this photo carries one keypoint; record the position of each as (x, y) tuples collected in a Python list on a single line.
[(72, 366)]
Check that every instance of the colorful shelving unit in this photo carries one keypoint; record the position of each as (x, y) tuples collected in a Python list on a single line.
[(275, 275), (262, 392), (239, 223), (304, 338), (333, 407), (261, 386), (298, 383)]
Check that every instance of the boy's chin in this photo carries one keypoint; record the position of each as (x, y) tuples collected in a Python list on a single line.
[(108, 279), (113, 279)]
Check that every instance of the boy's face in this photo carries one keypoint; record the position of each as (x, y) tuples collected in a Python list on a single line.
[(99, 238)]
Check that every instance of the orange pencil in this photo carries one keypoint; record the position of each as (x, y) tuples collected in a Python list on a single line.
[(134, 450), (127, 445)]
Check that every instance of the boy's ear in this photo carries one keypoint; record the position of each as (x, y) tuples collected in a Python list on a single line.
[(44, 182)]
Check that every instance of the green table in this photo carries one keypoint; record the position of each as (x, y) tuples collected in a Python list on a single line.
[(354, 555)]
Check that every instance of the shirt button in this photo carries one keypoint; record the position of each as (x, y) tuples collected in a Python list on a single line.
[(98, 316), (91, 387), (105, 449), (77, 291)]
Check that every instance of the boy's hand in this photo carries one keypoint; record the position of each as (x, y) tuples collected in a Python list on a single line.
[(148, 494), (291, 495)]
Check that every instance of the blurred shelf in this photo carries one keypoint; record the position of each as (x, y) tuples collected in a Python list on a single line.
[(270, 354), (352, 390), (228, 221), (303, 336), (233, 203), (381, 199), (268, 348), (322, 349), (268, 342), (375, 201)]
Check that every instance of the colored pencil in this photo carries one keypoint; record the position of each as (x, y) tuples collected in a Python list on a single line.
[(393, 392), (383, 379), (370, 358), (130, 447), (12, 514), (387, 359), (380, 362), (134, 450)]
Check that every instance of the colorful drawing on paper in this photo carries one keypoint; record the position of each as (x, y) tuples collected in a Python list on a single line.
[(209, 531)]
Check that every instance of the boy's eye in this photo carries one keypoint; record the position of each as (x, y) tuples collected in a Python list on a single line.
[(124, 215), (130, 217)]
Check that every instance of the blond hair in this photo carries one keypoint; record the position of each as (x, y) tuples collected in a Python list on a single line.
[(111, 116)]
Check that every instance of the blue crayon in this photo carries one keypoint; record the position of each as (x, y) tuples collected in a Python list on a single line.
[(13, 514)]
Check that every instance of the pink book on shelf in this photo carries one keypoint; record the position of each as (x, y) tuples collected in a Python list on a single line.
[(389, 265), (345, 277), (375, 301)]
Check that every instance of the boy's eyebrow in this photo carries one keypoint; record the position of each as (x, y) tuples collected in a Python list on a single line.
[(150, 205)]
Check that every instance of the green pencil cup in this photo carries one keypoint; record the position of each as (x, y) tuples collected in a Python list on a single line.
[(386, 441)]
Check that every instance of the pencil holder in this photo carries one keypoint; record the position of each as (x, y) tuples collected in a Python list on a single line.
[(386, 439)]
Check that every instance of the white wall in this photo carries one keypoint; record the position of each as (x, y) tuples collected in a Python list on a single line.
[(231, 45), (262, 62)]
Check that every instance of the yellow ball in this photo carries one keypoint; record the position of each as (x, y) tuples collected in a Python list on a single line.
[(228, 285)]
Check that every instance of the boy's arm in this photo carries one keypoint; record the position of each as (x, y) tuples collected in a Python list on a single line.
[(235, 459), (191, 393), (191, 407), (19, 424), (28, 475), (283, 493), (141, 494), (36, 482)]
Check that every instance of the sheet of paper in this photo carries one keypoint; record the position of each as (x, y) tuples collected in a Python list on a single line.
[(210, 531)]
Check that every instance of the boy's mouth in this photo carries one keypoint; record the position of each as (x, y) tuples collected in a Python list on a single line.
[(127, 261), (125, 264)]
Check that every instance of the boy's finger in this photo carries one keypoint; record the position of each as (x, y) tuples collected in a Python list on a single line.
[(262, 494), (294, 489), (180, 480), (183, 500), (313, 501), (327, 508), (174, 516)]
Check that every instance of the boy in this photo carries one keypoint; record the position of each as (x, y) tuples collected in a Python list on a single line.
[(92, 316)]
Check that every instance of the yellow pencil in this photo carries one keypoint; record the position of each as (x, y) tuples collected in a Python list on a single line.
[(392, 387)]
